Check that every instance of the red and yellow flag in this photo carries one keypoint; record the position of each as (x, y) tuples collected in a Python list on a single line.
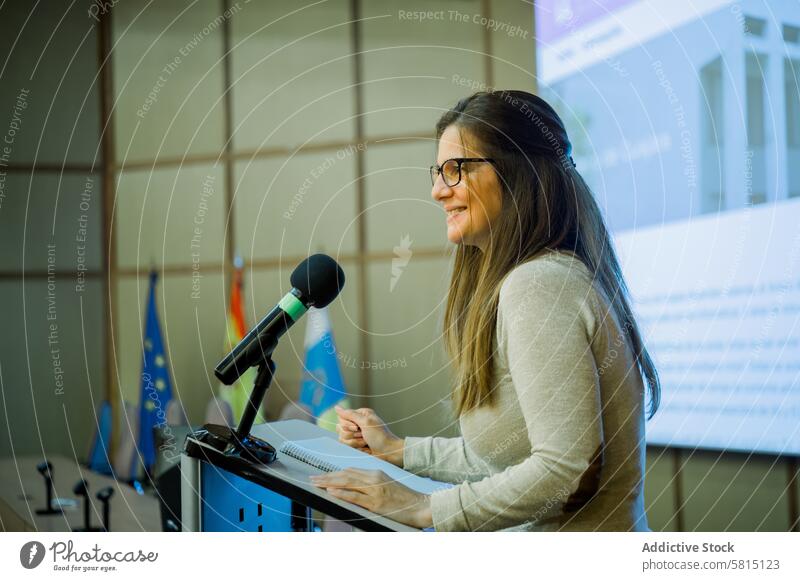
[(238, 394)]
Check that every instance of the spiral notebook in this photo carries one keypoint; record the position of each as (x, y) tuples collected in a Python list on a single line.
[(330, 456)]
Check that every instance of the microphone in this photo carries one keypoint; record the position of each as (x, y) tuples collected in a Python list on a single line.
[(316, 282), (81, 488), (46, 470), (104, 496)]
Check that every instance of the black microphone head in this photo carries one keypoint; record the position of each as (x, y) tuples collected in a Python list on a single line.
[(45, 468), (319, 278), (105, 493), (81, 488)]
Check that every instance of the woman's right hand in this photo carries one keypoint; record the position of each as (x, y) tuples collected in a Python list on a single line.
[(364, 430)]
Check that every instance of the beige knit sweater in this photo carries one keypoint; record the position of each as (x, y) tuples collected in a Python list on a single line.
[(562, 447)]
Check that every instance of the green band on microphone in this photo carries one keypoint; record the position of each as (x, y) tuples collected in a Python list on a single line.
[(292, 306)]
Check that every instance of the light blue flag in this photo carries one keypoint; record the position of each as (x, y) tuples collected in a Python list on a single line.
[(156, 386), (323, 386)]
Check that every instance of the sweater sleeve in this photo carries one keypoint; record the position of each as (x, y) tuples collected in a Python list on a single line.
[(545, 325), (444, 459)]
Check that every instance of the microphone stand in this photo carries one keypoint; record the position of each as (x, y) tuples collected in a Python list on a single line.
[(266, 371), (46, 470), (239, 444)]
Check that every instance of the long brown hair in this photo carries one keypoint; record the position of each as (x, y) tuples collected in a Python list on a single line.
[(546, 205)]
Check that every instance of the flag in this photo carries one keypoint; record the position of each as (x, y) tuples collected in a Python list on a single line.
[(238, 394), (101, 441), (156, 390), (322, 386)]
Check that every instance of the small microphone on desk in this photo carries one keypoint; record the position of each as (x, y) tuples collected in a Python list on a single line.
[(104, 496), (46, 470), (82, 489)]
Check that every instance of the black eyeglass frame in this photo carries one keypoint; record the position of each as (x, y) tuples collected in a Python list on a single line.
[(436, 170)]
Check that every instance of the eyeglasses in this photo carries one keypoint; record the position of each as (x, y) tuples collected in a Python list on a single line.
[(450, 170)]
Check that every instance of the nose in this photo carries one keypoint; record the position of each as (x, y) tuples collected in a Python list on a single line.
[(440, 190)]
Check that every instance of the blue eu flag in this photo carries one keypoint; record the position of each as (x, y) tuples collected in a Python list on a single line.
[(156, 386)]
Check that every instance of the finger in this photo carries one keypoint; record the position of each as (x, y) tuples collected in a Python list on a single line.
[(337, 482), (348, 438), (350, 496), (342, 412), (340, 477), (354, 416), (361, 475), (345, 416), (348, 430), (349, 478), (349, 426), (353, 442), (351, 435), (368, 477)]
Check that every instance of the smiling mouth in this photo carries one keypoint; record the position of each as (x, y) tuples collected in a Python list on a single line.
[(454, 212)]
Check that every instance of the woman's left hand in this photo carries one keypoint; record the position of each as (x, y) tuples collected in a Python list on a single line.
[(378, 493)]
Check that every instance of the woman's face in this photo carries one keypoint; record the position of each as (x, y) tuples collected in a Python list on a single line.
[(476, 199)]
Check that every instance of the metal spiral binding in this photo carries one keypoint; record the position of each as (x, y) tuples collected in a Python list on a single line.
[(290, 449)]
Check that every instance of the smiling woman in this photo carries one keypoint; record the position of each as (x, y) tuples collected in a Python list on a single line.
[(549, 360)]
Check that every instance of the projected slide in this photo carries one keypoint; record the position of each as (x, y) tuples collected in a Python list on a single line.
[(685, 120)]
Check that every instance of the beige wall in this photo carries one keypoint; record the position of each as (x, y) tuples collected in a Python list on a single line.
[(304, 114), (52, 356), (297, 130)]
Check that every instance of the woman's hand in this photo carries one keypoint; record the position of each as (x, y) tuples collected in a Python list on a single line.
[(364, 430), (378, 493)]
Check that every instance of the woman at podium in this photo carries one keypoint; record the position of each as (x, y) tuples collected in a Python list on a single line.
[(552, 373)]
